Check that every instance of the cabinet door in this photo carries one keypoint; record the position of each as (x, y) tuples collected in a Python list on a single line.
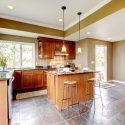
[(58, 45), (17, 80), (70, 46), (38, 78), (48, 52), (27, 79)]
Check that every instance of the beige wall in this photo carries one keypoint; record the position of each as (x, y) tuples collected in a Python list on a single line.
[(82, 58), (119, 61), (88, 55), (91, 55)]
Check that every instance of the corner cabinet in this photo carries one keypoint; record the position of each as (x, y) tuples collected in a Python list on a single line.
[(47, 47)]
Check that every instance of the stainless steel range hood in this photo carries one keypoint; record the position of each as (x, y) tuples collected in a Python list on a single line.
[(59, 53)]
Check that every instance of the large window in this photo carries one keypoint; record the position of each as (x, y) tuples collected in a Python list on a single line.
[(19, 55)]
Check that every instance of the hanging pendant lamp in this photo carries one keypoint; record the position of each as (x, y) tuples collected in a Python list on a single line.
[(79, 50), (63, 47)]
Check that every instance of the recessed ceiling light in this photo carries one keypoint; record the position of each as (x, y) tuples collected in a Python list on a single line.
[(60, 20), (109, 38), (10, 7), (88, 32)]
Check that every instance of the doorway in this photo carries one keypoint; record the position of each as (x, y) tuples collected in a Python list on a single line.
[(101, 61)]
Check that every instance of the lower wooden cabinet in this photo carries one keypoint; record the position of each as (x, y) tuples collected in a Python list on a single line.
[(28, 80), (38, 78), (17, 80)]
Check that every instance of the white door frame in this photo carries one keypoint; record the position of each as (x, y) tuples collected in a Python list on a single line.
[(105, 60)]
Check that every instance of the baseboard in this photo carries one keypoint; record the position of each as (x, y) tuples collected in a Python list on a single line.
[(116, 81)]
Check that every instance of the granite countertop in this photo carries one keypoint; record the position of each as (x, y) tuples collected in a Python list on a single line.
[(35, 68), (69, 72), (5, 75)]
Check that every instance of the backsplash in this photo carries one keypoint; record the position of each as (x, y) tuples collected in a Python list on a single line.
[(52, 62)]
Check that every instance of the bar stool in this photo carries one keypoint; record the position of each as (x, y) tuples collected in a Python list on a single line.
[(70, 85), (95, 82)]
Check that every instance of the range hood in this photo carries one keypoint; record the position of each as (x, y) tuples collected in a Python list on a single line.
[(59, 53)]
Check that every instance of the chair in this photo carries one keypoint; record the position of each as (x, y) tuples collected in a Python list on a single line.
[(70, 85)]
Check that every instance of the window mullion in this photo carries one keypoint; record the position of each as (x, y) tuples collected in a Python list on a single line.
[(21, 55)]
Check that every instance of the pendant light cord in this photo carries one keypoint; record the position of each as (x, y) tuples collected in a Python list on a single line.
[(63, 26), (79, 13), (63, 8), (79, 27)]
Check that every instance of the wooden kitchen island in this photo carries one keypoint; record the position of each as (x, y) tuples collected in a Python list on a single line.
[(55, 83)]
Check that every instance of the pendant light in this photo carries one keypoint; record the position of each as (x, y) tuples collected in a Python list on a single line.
[(79, 50), (63, 47)]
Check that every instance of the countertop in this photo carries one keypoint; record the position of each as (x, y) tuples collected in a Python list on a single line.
[(70, 73), (35, 68), (5, 75)]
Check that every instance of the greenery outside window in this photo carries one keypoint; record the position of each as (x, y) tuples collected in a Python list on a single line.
[(19, 55)]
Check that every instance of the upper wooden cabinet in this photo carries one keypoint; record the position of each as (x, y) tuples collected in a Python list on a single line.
[(58, 45), (71, 49), (47, 47)]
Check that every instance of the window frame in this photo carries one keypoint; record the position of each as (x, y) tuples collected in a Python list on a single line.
[(21, 44)]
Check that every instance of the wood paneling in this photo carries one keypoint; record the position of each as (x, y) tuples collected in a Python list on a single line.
[(3, 103), (55, 87)]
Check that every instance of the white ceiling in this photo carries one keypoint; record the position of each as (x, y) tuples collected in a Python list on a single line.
[(48, 12)]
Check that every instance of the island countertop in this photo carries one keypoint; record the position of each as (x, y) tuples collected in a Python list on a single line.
[(56, 73)]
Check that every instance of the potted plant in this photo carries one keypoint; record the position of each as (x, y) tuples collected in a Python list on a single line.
[(3, 64)]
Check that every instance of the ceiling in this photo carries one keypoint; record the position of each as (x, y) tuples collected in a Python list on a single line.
[(48, 12)]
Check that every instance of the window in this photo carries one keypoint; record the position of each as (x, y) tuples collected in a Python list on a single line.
[(19, 55)]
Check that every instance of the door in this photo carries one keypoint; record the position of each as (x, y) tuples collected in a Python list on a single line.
[(101, 61)]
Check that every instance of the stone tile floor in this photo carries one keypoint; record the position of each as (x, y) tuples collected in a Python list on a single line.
[(40, 111)]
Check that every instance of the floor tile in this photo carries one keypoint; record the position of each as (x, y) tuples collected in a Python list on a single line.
[(40, 110), (52, 119), (28, 114), (94, 118), (33, 121), (68, 113), (78, 120)]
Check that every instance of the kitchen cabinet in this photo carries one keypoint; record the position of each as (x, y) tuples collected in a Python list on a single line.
[(17, 80), (58, 45), (70, 46), (27, 80), (45, 48), (38, 78)]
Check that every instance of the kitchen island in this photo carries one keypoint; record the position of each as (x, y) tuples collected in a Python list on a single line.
[(55, 83), (5, 96)]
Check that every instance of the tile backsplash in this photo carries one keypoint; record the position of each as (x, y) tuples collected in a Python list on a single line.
[(52, 62)]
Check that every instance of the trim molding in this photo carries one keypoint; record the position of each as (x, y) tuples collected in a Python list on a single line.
[(116, 81)]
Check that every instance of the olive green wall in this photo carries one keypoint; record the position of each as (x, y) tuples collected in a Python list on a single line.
[(119, 61), (88, 55)]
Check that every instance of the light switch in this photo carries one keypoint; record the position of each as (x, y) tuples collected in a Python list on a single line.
[(92, 62)]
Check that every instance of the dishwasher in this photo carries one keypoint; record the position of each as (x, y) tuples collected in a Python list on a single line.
[(10, 96)]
